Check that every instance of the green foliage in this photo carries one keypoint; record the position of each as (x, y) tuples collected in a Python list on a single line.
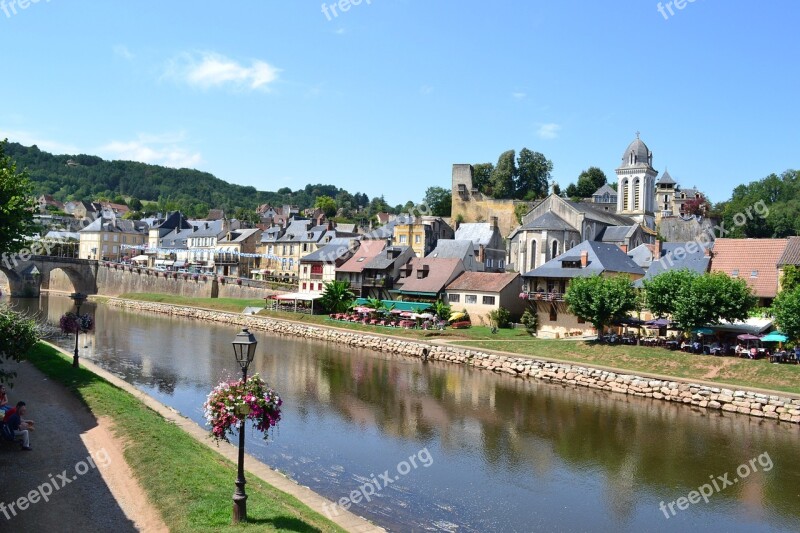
[(531, 322), (135, 204), (375, 303), (589, 181), (520, 210), (711, 298), (327, 204), (662, 291), (482, 175), (791, 278), (533, 175), (779, 194), (18, 334), (600, 300), (787, 312), (441, 310), (525, 177), (337, 297), (439, 201), (500, 318), (16, 204)]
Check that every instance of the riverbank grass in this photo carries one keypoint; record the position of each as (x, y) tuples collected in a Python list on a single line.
[(229, 305), (186, 481)]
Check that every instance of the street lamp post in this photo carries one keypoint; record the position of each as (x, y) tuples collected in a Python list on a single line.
[(244, 347), (78, 298)]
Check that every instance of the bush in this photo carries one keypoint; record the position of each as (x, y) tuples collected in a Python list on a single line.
[(530, 321), (18, 334), (500, 318)]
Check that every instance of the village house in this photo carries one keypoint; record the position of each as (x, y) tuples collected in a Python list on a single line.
[(480, 293), (545, 286), (753, 260), (489, 249), (202, 243), (464, 250), (421, 233), (425, 278), (352, 271), (790, 257), (319, 267), (109, 239), (235, 253), (382, 272)]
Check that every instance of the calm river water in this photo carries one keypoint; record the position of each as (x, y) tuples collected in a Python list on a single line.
[(504, 454)]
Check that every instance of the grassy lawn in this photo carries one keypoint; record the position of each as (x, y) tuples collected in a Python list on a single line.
[(647, 360), (231, 305), (190, 484)]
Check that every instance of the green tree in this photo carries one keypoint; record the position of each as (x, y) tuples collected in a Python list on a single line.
[(441, 310), (533, 175), (787, 312), (791, 278), (711, 298), (18, 334), (601, 300), (530, 319), (482, 177), (135, 204), (327, 204), (439, 201), (337, 297), (504, 176), (500, 318), (16, 204), (520, 210), (663, 291), (589, 181)]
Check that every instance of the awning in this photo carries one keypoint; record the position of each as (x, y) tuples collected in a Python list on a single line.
[(165, 262), (398, 306), (305, 296), (140, 258), (180, 264)]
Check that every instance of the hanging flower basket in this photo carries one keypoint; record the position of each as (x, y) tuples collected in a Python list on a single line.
[(185, 276), (221, 279), (175, 275), (523, 296), (238, 281), (74, 323), (233, 402), (205, 278), (195, 277)]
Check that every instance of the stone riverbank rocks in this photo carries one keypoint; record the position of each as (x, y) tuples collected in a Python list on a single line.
[(767, 406)]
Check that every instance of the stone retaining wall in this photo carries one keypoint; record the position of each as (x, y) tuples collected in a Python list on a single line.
[(779, 408)]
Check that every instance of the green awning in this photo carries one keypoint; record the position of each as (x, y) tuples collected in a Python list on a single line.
[(413, 307)]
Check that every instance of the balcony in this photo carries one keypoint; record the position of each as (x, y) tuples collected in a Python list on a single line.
[(542, 296), (378, 282)]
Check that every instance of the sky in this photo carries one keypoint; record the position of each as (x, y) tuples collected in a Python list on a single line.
[(383, 97)]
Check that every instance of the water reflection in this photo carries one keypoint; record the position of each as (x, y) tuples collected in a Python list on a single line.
[(509, 455)]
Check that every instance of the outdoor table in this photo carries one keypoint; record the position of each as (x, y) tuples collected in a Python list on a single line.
[(671, 345)]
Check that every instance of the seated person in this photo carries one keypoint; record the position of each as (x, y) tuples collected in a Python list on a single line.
[(715, 348), (753, 352), (4, 405), (19, 426), (13, 411)]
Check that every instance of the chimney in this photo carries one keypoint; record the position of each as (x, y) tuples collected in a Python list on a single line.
[(707, 251), (584, 259), (494, 222), (624, 248), (320, 218), (657, 251), (331, 224)]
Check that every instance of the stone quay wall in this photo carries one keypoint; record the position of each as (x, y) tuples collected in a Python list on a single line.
[(780, 408)]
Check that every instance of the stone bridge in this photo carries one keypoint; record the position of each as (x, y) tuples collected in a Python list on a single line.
[(27, 277)]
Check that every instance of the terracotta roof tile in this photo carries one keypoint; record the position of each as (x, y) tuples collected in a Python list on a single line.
[(365, 253), (440, 272), (741, 258)]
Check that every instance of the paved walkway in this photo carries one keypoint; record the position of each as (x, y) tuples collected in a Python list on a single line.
[(105, 498)]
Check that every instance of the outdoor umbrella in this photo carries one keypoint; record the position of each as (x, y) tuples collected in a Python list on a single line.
[(704, 331), (748, 337), (426, 315), (774, 337), (658, 323), (456, 316)]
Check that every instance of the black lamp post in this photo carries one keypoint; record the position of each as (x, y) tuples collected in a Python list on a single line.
[(78, 298), (244, 347)]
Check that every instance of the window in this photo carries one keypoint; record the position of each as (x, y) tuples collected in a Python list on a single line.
[(488, 300), (402, 239), (454, 298), (416, 239), (114, 249), (305, 247), (754, 274), (735, 273), (581, 320), (555, 249), (636, 194), (470, 299), (553, 314), (116, 238), (319, 286), (624, 195), (105, 236), (304, 286)]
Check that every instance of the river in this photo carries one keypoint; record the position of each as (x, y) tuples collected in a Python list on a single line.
[(466, 450)]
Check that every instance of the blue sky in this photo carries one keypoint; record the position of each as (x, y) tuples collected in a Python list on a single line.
[(385, 97)]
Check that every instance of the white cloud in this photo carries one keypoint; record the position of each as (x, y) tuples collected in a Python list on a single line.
[(123, 52), (207, 70), (340, 31), (425, 89), (161, 149), (518, 95), (548, 131)]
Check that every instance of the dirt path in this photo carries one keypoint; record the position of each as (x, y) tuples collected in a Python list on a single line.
[(76, 478)]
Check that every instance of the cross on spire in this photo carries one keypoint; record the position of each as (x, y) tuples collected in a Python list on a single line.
[(637, 134)]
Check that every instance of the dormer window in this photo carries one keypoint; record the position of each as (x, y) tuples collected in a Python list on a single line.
[(754, 274), (735, 273)]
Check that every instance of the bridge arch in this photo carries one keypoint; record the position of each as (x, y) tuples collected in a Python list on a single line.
[(16, 284), (26, 278)]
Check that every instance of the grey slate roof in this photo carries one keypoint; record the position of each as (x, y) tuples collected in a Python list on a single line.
[(239, 235), (207, 228), (387, 230), (272, 234), (176, 239), (330, 253), (602, 258), (382, 261), (477, 232), (173, 220), (603, 216), (606, 188), (696, 261), (296, 231), (642, 255), (616, 234), (640, 150), (116, 225), (548, 221), (446, 248), (666, 179)]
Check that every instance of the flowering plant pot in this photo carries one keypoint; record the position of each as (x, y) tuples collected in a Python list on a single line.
[(195, 277), (221, 279), (238, 282), (233, 402), (73, 323), (205, 278)]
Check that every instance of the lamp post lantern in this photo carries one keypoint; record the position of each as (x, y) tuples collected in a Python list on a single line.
[(78, 298), (244, 347)]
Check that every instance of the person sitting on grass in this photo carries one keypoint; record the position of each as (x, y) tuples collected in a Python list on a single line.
[(19, 426)]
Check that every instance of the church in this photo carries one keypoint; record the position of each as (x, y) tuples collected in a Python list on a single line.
[(557, 224)]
